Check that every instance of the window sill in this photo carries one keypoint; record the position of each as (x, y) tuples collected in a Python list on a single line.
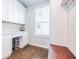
[(41, 36)]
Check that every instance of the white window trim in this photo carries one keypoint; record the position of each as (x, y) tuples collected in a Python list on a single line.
[(41, 36)]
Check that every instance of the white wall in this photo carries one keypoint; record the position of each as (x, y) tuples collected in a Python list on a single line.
[(41, 42), (71, 41), (8, 28), (58, 26), (63, 27)]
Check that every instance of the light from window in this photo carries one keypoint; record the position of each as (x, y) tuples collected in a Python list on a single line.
[(42, 20)]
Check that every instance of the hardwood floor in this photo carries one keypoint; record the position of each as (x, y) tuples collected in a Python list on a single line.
[(59, 52), (30, 52), (33, 52)]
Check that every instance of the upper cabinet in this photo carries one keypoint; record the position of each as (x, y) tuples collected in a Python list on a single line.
[(14, 11), (4, 10), (21, 11)]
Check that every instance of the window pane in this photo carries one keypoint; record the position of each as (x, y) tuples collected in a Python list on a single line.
[(38, 27), (45, 28), (42, 14), (38, 14), (45, 14)]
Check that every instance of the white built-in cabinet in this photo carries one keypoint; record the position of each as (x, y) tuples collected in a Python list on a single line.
[(21, 11), (7, 42), (13, 11), (24, 41), (6, 46)]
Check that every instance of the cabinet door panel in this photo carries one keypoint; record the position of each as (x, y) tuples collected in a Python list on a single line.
[(6, 46), (4, 10), (21, 13), (10, 10), (16, 11), (24, 40)]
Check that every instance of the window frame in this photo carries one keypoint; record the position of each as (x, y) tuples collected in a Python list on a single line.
[(40, 34)]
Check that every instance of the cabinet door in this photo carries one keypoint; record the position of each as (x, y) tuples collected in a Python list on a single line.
[(4, 10), (6, 46), (24, 40), (16, 11), (10, 10), (8, 7), (21, 13)]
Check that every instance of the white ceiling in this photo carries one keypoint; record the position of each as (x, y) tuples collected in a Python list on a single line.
[(33, 2)]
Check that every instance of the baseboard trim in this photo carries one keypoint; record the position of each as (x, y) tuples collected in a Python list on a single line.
[(6, 57), (58, 45), (25, 46), (71, 51), (38, 45)]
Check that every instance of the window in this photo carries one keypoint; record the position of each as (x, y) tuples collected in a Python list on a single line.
[(42, 20)]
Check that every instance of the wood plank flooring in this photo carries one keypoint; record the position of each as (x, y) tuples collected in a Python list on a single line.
[(30, 52), (33, 52), (60, 52)]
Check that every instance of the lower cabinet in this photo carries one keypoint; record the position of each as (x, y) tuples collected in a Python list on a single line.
[(24, 41), (7, 43), (6, 46)]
